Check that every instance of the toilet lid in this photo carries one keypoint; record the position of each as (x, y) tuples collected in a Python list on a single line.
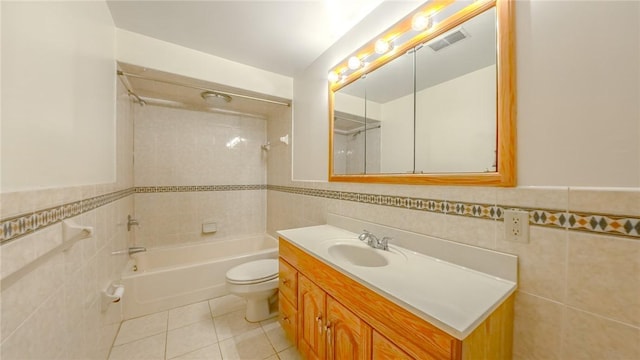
[(254, 271)]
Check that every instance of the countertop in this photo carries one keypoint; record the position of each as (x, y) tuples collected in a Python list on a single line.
[(453, 298)]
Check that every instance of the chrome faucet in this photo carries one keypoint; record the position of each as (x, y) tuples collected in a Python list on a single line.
[(136, 249), (132, 250), (373, 240), (131, 222)]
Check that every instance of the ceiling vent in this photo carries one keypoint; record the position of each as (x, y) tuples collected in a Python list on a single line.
[(449, 39)]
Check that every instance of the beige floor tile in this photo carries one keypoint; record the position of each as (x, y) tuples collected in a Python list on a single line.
[(191, 337), (151, 348), (273, 357), (142, 327), (250, 345), (189, 314), (211, 352), (226, 304), (233, 324), (276, 335), (290, 354)]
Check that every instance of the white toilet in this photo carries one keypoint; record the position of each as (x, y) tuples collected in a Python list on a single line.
[(256, 281)]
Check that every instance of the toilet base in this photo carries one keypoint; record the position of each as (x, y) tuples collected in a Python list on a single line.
[(260, 309)]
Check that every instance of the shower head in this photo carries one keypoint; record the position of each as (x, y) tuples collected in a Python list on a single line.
[(215, 98)]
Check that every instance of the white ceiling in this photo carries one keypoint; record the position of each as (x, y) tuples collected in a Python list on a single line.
[(283, 36)]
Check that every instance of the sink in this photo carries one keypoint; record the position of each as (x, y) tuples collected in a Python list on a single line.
[(357, 255)]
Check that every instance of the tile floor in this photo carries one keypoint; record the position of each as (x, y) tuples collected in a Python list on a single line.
[(214, 329)]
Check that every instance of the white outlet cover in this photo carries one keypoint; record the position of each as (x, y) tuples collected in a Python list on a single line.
[(516, 226)]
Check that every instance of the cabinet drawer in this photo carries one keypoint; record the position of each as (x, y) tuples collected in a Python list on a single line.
[(289, 282), (288, 319), (383, 348)]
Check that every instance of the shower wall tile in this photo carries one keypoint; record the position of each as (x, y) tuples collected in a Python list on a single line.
[(183, 147), (173, 218), (177, 148)]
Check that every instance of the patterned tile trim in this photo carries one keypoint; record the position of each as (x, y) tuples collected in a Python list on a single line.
[(24, 224), (618, 225), (164, 189)]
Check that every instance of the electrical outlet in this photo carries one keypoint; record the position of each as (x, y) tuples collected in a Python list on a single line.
[(516, 226)]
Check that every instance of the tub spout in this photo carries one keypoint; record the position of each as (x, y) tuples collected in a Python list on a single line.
[(137, 249)]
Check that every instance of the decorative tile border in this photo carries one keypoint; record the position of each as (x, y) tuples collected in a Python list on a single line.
[(627, 226), (164, 189), (24, 224)]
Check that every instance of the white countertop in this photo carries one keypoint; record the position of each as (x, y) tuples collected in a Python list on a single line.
[(452, 297)]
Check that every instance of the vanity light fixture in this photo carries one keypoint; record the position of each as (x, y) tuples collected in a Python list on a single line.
[(421, 21), (382, 46), (395, 39), (354, 63)]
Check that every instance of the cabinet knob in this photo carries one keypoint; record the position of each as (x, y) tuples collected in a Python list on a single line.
[(286, 319), (285, 281)]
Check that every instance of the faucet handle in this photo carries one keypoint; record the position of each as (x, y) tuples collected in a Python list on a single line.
[(365, 234), (384, 243)]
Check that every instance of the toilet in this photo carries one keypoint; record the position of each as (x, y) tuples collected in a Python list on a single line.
[(257, 282)]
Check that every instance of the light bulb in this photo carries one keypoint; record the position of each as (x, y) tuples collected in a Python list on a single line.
[(354, 63), (382, 46), (333, 76), (421, 21)]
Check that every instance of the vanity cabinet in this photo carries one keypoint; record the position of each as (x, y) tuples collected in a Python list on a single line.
[(340, 318), (328, 330)]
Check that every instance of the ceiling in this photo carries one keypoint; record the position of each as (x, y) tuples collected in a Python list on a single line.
[(283, 37)]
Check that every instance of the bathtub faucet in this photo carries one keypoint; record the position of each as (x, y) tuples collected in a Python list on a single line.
[(137, 249), (132, 250), (131, 222)]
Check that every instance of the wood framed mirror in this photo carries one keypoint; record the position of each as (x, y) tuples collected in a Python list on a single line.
[(439, 108)]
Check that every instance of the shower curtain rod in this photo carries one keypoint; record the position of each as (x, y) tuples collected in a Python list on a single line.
[(122, 73)]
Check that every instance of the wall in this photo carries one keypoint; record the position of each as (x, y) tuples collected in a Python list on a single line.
[(189, 170), (579, 101), (578, 177), (51, 305), (156, 54), (59, 91), (48, 62)]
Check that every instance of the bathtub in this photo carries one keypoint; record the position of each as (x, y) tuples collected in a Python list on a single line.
[(168, 277)]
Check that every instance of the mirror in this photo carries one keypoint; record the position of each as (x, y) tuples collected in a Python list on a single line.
[(440, 110)]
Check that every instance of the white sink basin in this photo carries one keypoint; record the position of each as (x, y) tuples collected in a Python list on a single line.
[(357, 255)]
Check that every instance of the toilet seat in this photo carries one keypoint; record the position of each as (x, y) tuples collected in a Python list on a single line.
[(253, 272)]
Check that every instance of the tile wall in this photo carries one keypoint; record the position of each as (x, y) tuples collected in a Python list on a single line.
[(579, 283), (193, 166), (51, 306)]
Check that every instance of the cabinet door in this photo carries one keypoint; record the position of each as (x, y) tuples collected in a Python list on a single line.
[(383, 348), (311, 303), (347, 336)]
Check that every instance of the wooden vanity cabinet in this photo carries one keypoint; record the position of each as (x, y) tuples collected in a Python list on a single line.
[(339, 318), (327, 329)]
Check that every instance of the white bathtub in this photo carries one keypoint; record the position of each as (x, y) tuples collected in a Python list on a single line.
[(169, 277)]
